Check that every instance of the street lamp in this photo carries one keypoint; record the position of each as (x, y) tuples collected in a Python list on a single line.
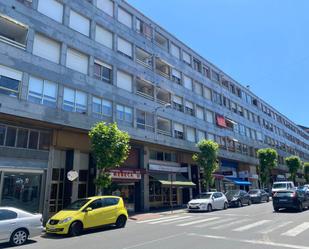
[(166, 106)]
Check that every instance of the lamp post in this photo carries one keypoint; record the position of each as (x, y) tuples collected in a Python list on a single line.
[(166, 106)]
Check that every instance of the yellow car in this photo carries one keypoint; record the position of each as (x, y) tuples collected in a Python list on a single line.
[(88, 213)]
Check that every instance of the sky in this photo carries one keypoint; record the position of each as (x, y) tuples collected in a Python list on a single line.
[(260, 43)]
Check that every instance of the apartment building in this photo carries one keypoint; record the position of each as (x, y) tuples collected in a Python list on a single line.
[(65, 65)]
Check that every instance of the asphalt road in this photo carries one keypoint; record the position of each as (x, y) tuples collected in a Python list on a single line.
[(254, 227)]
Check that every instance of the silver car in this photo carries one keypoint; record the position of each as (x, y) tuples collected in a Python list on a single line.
[(16, 225)]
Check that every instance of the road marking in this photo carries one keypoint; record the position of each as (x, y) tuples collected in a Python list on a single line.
[(276, 227), (297, 230), (175, 221), (197, 221), (172, 219), (260, 242), (144, 221), (230, 224), (216, 222), (255, 224)]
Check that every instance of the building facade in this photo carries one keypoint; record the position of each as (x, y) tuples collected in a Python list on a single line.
[(65, 65)]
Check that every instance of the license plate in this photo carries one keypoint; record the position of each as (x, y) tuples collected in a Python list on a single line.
[(283, 200)]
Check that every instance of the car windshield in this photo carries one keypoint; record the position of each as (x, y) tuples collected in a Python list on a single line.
[(232, 193), (253, 192), (279, 185), (203, 196), (76, 205)]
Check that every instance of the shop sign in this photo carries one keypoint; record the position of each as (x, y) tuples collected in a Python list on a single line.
[(126, 174), (168, 168), (243, 174), (254, 176), (72, 175)]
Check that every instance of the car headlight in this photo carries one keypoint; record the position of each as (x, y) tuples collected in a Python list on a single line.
[(234, 199), (65, 220)]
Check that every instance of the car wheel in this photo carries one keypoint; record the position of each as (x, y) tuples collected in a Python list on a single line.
[(121, 221), (300, 207), (76, 228), (249, 202), (276, 209), (209, 208), (239, 204), (19, 237), (225, 205)]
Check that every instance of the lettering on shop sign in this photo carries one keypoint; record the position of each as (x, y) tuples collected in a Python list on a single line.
[(126, 174)]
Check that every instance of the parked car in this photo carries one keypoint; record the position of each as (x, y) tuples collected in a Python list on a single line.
[(208, 201), (258, 196), (238, 198), (304, 188), (88, 213), (290, 199), (277, 186), (16, 225)]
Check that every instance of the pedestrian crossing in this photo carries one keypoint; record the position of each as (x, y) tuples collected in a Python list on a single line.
[(232, 224)]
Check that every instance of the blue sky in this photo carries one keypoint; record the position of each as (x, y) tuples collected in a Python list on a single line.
[(261, 43)]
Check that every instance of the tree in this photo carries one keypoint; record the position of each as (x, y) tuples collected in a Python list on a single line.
[(110, 147), (268, 158), (206, 158), (294, 164), (306, 171)]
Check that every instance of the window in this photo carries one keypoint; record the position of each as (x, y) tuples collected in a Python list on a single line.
[(124, 113), (22, 138), (143, 57), (189, 108), (13, 33), (52, 9), (206, 71), (210, 136), (209, 116), (144, 28), (197, 65), (33, 139), (240, 110), (107, 6), (234, 107), (207, 93), (176, 76), (124, 47), (161, 40), (178, 131), (42, 91), (7, 214), (163, 97), (74, 100), (191, 134), (46, 48), (124, 81), (163, 68), (9, 81), (104, 36), (163, 156), (187, 82), (198, 88), (144, 88), (2, 134), (163, 126), (217, 98), (215, 76), (177, 103), (175, 51), (77, 61), (101, 107), (103, 71), (186, 57), (226, 102), (144, 120), (259, 136), (124, 17), (79, 23), (10, 136), (200, 135), (200, 112)]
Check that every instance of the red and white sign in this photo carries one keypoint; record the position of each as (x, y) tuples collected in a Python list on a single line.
[(122, 174)]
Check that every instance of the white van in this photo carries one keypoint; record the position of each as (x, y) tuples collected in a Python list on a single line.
[(282, 186)]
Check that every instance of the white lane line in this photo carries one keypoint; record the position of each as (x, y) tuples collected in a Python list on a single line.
[(216, 222), (233, 223), (259, 242), (172, 219), (297, 230), (163, 218), (197, 221), (255, 224), (275, 227), (176, 221)]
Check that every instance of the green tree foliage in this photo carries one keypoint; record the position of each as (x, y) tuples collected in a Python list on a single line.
[(306, 171), (110, 147), (268, 158), (206, 158), (294, 164)]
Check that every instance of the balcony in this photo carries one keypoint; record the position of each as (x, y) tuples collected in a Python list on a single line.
[(164, 126), (163, 97), (144, 89), (161, 40), (163, 68), (143, 57)]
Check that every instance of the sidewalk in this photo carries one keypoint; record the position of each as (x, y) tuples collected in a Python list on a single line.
[(155, 214)]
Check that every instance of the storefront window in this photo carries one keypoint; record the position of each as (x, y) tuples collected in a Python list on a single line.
[(2, 134), (10, 136), (22, 138), (21, 190)]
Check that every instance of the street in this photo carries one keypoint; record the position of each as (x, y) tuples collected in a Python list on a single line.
[(255, 226)]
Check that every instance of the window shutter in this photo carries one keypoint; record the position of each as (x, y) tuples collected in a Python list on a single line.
[(103, 64), (81, 98), (46, 48), (77, 61), (52, 9), (50, 89), (124, 46), (68, 95), (125, 17), (104, 37), (207, 93), (107, 6), (175, 51), (79, 23), (10, 73), (35, 85), (190, 134), (186, 57), (189, 104), (176, 73), (124, 81), (177, 100), (187, 82), (178, 127), (199, 112)]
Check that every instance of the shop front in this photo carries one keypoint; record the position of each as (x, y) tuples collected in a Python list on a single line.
[(167, 184)]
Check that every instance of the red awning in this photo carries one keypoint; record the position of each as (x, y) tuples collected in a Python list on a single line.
[(221, 121)]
